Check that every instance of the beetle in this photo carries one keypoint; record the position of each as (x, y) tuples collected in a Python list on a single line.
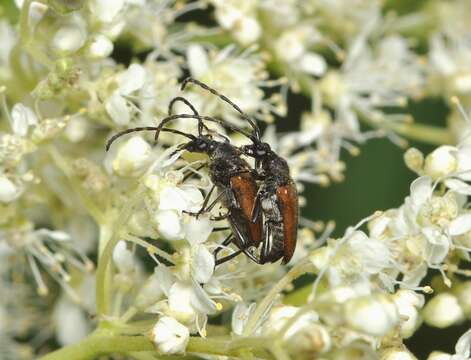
[(277, 197), (231, 175)]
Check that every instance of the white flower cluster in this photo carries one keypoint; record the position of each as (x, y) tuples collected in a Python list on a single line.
[(94, 239)]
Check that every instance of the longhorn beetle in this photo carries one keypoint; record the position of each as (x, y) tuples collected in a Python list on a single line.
[(231, 175), (277, 198)]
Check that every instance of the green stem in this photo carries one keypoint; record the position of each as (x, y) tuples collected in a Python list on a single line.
[(424, 133), (104, 271), (95, 345)]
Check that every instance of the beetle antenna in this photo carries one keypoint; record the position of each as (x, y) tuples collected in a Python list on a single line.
[(144, 128), (201, 125), (223, 97), (183, 100), (201, 118)]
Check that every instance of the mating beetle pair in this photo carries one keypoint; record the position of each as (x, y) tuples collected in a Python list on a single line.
[(265, 214)]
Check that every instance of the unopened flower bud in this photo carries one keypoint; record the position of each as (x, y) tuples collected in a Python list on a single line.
[(397, 354), (132, 157), (443, 310), (123, 258), (100, 47), (8, 190), (414, 160), (169, 336), (463, 293), (441, 162), (374, 315)]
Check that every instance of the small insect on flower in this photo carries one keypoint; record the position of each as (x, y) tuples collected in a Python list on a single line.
[(277, 198), (231, 175)]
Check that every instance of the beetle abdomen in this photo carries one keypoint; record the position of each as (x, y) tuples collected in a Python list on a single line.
[(288, 204)]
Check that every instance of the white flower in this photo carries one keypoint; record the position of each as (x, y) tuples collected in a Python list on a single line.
[(151, 291), (374, 315), (239, 77), (169, 224), (239, 17), (202, 264), (441, 162), (169, 336), (131, 80), (408, 304), (132, 157), (292, 47), (443, 310), (22, 117), (240, 316), (123, 258), (71, 36), (100, 47), (71, 322), (106, 10), (283, 313), (187, 299), (8, 190), (462, 350), (397, 355)]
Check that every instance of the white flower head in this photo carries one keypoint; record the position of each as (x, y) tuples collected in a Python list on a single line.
[(170, 336)]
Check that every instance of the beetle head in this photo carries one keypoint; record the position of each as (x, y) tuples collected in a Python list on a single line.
[(202, 144), (257, 150)]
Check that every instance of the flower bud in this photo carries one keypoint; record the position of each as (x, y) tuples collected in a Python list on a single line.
[(414, 160), (8, 190), (169, 225), (132, 157), (408, 302), (169, 336), (438, 355), (100, 47), (375, 315), (70, 37), (441, 162), (443, 310), (123, 258), (463, 293), (397, 354)]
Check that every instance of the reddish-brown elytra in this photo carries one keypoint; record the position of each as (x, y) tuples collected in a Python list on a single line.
[(277, 198)]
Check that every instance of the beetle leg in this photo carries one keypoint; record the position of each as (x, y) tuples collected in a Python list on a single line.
[(221, 228), (226, 242), (205, 209), (227, 258), (221, 217)]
